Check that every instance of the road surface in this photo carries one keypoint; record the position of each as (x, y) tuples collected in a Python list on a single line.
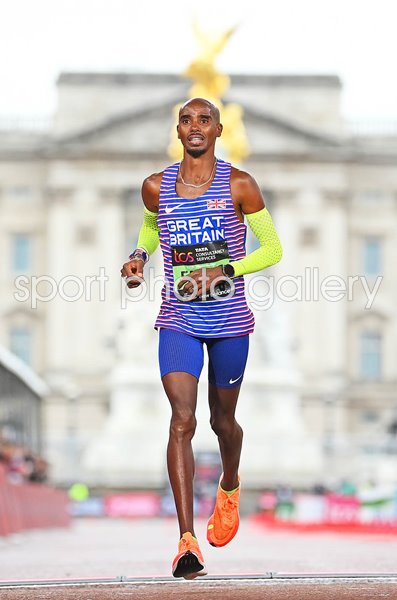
[(98, 559)]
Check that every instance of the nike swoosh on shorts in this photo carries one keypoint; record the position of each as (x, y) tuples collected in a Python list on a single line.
[(169, 209), (234, 380)]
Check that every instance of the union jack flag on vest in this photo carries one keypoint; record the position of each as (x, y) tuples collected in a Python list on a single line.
[(216, 204)]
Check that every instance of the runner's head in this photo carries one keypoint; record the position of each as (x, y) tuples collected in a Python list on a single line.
[(214, 110), (198, 126)]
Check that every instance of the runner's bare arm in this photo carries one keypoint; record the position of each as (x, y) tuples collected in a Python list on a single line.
[(151, 192), (246, 194), (248, 200)]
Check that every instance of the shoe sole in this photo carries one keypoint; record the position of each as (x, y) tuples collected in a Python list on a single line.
[(189, 566)]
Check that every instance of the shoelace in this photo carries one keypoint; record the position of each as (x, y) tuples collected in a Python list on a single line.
[(229, 507), (185, 545)]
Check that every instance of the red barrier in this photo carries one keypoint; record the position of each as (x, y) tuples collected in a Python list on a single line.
[(4, 523), (30, 506), (345, 528)]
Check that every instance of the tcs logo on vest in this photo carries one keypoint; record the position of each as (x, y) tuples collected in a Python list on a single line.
[(182, 257)]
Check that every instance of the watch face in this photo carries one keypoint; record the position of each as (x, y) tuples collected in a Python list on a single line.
[(228, 270), (139, 255)]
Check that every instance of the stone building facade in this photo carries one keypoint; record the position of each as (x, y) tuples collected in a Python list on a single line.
[(319, 401)]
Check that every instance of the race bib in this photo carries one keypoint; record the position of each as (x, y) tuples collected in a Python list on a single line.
[(186, 259)]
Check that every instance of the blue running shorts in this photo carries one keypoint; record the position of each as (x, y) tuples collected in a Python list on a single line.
[(227, 356)]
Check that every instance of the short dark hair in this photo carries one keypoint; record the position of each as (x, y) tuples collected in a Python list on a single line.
[(214, 109)]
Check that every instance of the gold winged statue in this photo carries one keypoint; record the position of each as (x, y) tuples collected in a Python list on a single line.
[(210, 83)]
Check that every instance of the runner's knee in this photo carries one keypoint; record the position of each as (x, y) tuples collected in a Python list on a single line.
[(183, 424), (223, 425)]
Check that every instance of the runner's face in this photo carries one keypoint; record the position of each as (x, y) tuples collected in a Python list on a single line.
[(198, 128)]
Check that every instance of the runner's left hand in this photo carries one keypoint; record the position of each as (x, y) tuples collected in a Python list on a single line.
[(200, 280)]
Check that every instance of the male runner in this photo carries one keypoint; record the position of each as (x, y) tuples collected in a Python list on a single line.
[(195, 209)]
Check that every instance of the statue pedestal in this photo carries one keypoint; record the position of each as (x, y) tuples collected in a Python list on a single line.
[(131, 449), (277, 448)]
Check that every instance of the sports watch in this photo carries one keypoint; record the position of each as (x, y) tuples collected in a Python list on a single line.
[(228, 270), (139, 254)]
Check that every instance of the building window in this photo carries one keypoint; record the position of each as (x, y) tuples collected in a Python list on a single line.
[(21, 193), (371, 198), (372, 257), (370, 416), (370, 355), (308, 236), (21, 343), (85, 234), (21, 253)]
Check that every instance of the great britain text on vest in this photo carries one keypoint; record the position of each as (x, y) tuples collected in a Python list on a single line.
[(196, 230)]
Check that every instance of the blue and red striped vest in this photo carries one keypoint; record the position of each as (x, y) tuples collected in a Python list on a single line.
[(196, 233)]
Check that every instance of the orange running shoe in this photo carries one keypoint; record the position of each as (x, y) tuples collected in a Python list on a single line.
[(224, 522), (189, 562)]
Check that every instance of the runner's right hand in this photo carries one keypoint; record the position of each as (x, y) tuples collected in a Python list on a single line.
[(133, 272)]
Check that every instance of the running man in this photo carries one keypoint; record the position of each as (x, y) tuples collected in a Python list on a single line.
[(195, 209)]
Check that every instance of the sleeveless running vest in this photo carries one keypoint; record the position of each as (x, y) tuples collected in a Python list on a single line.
[(197, 233)]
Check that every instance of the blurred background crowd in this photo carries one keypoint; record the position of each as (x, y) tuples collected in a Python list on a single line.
[(21, 465)]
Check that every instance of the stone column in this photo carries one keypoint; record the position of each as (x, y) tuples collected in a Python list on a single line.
[(60, 259)]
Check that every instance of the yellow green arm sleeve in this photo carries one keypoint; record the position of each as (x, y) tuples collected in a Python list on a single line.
[(149, 233), (270, 250)]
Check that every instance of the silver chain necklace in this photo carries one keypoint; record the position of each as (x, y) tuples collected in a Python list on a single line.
[(201, 184)]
